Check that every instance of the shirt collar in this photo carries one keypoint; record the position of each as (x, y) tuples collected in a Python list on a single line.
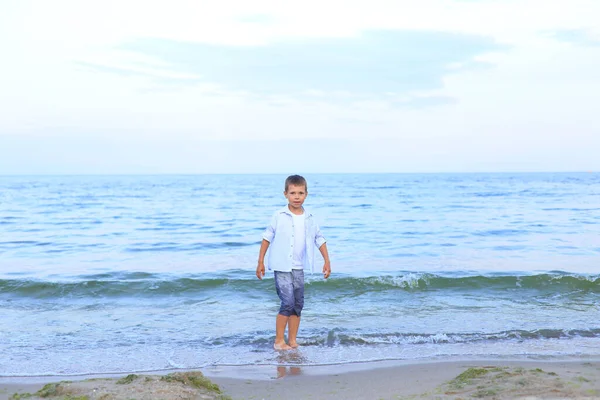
[(286, 210)]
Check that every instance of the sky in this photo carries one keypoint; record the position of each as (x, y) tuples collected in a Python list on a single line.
[(271, 86)]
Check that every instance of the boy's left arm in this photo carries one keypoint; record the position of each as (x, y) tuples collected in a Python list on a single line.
[(327, 264), (322, 246)]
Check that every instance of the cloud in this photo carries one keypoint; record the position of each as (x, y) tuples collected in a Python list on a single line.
[(580, 37), (178, 87), (131, 70), (259, 19), (373, 65)]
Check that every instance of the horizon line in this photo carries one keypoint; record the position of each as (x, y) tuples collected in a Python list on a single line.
[(287, 173)]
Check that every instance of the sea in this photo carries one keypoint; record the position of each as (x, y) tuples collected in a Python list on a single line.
[(115, 274)]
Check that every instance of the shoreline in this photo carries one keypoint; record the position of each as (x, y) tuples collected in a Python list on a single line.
[(263, 371), (567, 377)]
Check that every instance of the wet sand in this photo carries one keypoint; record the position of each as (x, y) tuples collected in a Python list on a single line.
[(487, 379)]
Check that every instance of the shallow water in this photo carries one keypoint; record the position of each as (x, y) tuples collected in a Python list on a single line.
[(105, 274)]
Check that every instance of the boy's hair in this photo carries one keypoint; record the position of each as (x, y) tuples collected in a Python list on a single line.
[(295, 180)]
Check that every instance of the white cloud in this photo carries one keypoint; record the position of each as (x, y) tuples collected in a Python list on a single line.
[(537, 102)]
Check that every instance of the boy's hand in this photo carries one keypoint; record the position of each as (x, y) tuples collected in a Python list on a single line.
[(326, 270), (260, 270)]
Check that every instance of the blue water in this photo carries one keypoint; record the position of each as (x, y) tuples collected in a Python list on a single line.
[(135, 273)]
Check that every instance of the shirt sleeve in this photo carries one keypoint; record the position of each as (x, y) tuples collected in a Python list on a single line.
[(269, 232), (319, 238)]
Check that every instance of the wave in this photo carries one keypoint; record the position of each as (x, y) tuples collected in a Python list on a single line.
[(345, 338), (140, 284), (133, 248), (426, 281), (441, 338), (107, 288)]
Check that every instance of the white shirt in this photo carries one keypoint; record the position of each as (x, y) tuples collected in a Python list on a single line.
[(299, 241), (280, 234)]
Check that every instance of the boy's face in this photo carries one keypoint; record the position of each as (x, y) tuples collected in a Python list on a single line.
[(295, 194)]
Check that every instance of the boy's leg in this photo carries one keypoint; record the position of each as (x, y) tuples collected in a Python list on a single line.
[(294, 320), (285, 291), (293, 326), (280, 324)]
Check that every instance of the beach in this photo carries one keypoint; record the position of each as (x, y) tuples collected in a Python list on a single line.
[(433, 274), (491, 379)]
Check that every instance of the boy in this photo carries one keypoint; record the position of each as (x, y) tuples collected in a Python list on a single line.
[(292, 234)]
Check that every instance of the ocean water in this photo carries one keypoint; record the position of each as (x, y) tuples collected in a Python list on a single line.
[(108, 274)]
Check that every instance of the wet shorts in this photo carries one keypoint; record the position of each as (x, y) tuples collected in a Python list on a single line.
[(290, 289)]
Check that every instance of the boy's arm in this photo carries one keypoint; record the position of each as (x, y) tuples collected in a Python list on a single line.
[(327, 264), (268, 236), (260, 268)]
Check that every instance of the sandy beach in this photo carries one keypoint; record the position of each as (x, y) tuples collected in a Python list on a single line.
[(490, 379)]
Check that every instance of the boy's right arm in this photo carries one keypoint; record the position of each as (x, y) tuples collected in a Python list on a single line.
[(260, 268)]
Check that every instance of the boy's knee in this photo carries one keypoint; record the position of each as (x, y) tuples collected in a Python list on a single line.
[(298, 306), (287, 310)]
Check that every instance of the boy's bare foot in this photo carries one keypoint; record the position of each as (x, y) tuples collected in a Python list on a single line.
[(281, 346), (294, 345)]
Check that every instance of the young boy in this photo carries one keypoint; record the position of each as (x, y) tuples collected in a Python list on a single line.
[(292, 236)]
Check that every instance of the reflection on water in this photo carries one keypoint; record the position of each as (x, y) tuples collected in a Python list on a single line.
[(283, 371), (293, 357)]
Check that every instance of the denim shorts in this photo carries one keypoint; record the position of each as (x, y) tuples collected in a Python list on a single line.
[(290, 289)]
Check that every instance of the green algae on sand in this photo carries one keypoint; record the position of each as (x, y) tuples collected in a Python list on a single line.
[(179, 385)]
